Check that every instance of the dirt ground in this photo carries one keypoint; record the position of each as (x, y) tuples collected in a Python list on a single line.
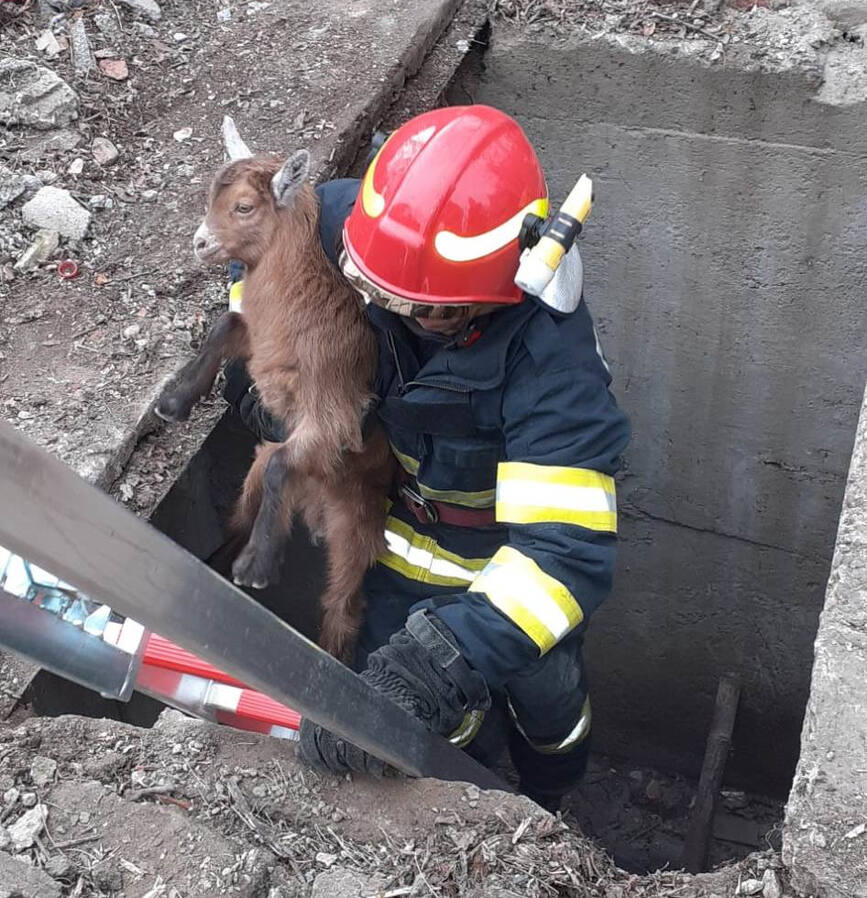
[(188, 809)]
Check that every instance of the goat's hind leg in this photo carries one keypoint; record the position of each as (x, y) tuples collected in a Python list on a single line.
[(259, 561), (354, 535), (227, 339)]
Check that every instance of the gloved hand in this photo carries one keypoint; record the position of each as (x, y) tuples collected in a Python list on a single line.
[(240, 392), (422, 670)]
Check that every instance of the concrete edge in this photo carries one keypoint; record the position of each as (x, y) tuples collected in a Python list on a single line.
[(825, 829)]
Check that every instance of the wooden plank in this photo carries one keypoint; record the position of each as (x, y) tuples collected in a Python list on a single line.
[(712, 769)]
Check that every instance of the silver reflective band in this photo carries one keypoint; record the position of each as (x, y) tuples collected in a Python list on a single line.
[(576, 736)]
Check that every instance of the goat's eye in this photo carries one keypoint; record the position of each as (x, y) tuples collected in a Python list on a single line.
[(243, 208)]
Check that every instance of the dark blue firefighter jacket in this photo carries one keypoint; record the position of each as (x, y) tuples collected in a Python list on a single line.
[(521, 420)]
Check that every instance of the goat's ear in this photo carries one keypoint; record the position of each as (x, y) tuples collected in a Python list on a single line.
[(285, 184)]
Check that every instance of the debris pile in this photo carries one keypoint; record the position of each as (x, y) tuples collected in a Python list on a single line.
[(195, 810)]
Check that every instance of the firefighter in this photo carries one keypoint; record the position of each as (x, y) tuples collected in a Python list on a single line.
[(501, 532)]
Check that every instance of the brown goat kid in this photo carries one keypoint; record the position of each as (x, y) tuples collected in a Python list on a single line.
[(312, 356)]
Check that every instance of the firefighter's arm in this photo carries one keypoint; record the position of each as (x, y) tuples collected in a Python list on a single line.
[(555, 491)]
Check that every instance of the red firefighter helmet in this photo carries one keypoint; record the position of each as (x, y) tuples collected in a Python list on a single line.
[(440, 209)]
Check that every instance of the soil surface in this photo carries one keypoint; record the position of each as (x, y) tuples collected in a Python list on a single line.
[(82, 359), (189, 809), (763, 33)]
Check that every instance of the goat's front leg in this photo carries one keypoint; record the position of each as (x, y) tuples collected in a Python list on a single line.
[(260, 560), (227, 339)]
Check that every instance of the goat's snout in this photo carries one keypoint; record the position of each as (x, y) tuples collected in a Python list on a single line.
[(205, 244)]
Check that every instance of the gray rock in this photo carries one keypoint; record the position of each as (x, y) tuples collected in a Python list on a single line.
[(19, 880), (59, 142), (58, 866), (100, 201), (82, 55), (29, 799), (54, 209), (107, 24), (848, 14), (11, 187), (342, 883), (27, 827), (148, 8), (42, 770), (33, 95), (771, 887), (104, 151), (144, 29)]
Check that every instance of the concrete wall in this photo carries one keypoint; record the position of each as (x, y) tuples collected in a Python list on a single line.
[(725, 263)]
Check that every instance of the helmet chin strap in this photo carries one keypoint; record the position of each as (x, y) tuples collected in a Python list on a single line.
[(563, 293)]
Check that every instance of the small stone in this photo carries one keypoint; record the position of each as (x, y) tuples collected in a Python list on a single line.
[(224, 15), (115, 69), (47, 43), (103, 150), (148, 8), (183, 134), (58, 867), (100, 201), (76, 167), (771, 887), (148, 196), (11, 187), (82, 55), (10, 796), (54, 209), (859, 830), (27, 827), (144, 29), (108, 879), (107, 24), (180, 37), (327, 860), (34, 96), (132, 331), (750, 887), (42, 771), (28, 799), (84, 817), (46, 176)]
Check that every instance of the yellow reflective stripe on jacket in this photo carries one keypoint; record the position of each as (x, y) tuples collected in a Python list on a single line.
[(420, 557), (534, 601), (477, 499), (480, 499), (407, 462), (535, 494)]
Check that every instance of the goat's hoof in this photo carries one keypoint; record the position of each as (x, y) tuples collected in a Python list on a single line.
[(172, 408), (251, 568)]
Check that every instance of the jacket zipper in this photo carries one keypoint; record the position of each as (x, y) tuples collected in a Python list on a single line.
[(392, 346), (404, 386)]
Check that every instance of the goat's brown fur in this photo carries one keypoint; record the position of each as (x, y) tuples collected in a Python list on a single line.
[(312, 356)]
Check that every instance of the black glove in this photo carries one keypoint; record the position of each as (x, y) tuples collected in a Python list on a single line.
[(422, 670), (240, 392)]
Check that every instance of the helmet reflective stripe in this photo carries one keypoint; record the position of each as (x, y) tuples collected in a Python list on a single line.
[(372, 202), (464, 249)]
